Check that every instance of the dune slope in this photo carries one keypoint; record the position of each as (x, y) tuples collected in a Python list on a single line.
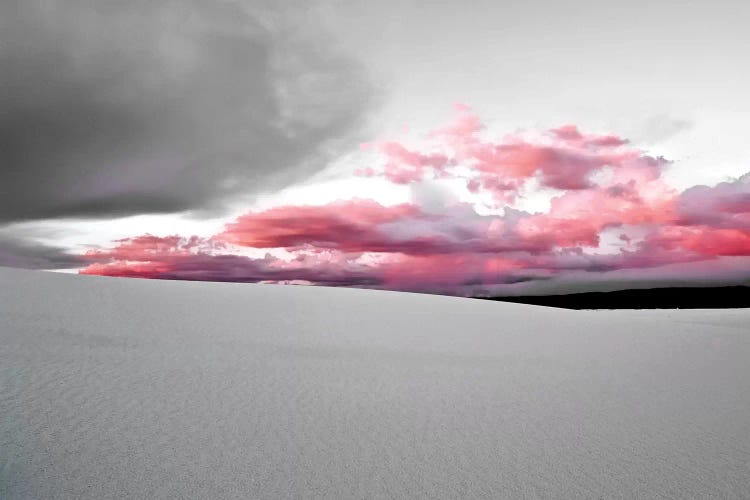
[(118, 388)]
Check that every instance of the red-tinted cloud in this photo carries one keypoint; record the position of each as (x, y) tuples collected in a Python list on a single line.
[(352, 226), (198, 259), (405, 166), (561, 158), (702, 240), (143, 248), (612, 212)]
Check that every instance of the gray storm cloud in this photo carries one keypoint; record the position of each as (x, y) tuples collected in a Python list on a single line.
[(21, 252), (116, 108)]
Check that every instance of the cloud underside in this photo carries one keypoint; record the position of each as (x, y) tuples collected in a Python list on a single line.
[(112, 108), (611, 214), (20, 252)]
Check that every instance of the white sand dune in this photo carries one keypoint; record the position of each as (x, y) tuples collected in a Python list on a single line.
[(117, 388)]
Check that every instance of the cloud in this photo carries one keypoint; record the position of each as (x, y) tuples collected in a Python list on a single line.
[(19, 252), (562, 158), (196, 259), (351, 226), (113, 108), (623, 222), (726, 205)]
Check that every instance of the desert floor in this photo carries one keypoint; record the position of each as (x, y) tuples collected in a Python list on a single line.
[(123, 388)]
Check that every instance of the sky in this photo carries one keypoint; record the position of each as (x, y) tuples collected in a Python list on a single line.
[(503, 148)]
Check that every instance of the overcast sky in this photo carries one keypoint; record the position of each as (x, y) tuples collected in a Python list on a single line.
[(217, 117)]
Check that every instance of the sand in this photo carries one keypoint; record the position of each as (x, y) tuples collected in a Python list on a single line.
[(121, 388)]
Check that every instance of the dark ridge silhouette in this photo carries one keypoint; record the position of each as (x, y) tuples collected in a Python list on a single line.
[(724, 297)]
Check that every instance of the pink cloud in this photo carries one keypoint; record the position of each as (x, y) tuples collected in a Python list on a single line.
[(603, 184), (561, 158), (702, 240), (350, 226), (177, 259)]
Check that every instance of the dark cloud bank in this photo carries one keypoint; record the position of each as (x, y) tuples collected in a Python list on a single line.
[(18, 252), (116, 108)]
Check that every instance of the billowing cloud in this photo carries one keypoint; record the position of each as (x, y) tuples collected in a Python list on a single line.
[(112, 108), (726, 205), (611, 214), (562, 158)]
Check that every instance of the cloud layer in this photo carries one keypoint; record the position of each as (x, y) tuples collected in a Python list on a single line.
[(610, 212), (113, 108), (21, 252)]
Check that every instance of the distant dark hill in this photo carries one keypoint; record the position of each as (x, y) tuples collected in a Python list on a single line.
[(652, 298)]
